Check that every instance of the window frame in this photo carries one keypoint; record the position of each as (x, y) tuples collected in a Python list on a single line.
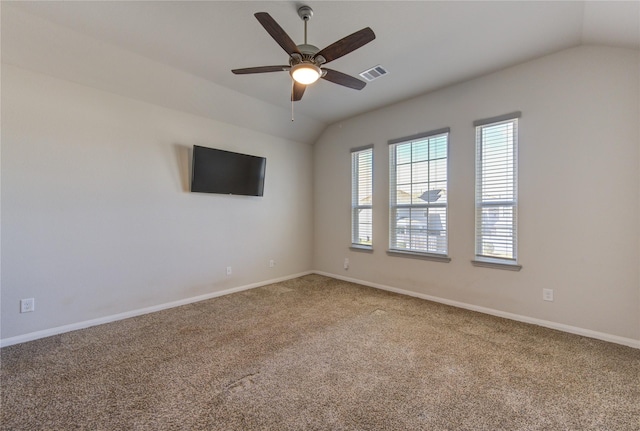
[(356, 206), (393, 249), (480, 259)]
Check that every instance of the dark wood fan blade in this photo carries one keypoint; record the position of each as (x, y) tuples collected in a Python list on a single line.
[(276, 32), (297, 91), (347, 44), (260, 69), (343, 79)]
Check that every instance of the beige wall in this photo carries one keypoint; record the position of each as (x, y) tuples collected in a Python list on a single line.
[(97, 219), (578, 198)]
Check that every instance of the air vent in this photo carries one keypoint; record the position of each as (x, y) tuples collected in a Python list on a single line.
[(374, 73)]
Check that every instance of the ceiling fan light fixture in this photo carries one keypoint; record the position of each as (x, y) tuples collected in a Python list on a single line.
[(305, 73)]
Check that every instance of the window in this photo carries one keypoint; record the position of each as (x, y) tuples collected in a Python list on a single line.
[(418, 194), (497, 190), (361, 197)]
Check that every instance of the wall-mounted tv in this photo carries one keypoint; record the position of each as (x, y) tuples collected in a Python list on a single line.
[(225, 172)]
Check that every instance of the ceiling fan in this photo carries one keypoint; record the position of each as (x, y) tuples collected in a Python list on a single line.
[(306, 62)]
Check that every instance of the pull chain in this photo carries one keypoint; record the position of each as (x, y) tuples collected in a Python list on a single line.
[(292, 84)]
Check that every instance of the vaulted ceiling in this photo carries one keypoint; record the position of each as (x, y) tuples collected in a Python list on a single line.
[(425, 45)]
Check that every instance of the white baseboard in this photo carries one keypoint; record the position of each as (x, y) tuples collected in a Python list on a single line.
[(545, 323), (133, 313)]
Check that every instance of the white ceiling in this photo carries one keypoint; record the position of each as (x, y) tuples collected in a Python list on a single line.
[(425, 45)]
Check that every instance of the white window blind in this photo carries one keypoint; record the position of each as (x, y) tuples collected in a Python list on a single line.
[(418, 193), (362, 197), (497, 189)]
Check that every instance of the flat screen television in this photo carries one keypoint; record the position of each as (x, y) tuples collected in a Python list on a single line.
[(225, 172)]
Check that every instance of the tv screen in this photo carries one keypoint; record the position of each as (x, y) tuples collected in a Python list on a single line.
[(225, 172)]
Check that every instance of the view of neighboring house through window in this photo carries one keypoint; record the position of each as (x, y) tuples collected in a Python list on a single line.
[(418, 193), (361, 196), (497, 189)]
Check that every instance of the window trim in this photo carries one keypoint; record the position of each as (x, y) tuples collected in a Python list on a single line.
[(356, 246), (491, 261), (425, 255)]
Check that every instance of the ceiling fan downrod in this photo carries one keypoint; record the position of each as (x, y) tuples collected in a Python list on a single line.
[(305, 13)]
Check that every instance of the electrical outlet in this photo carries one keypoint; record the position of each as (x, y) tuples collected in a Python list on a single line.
[(346, 263), (228, 270), (272, 263), (27, 305), (547, 294)]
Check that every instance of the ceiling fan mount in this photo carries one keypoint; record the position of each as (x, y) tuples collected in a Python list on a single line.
[(305, 13), (306, 61)]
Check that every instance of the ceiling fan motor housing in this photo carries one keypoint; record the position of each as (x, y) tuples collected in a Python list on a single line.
[(308, 50), (308, 55)]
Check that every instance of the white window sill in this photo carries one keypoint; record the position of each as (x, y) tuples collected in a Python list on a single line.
[(360, 247), (495, 264), (417, 255)]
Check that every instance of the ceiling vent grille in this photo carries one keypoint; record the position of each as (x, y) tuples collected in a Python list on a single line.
[(374, 73)]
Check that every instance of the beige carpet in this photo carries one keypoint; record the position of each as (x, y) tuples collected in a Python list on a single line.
[(317, 353)]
